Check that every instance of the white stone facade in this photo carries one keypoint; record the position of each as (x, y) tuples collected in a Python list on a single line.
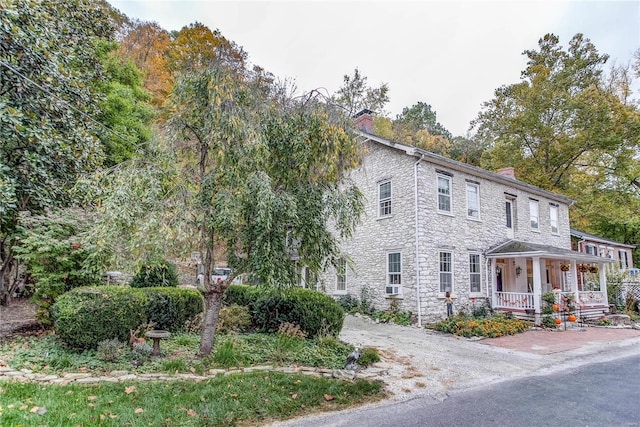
[(453, 232)]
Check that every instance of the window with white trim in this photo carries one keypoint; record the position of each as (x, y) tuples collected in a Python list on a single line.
[(508, 210), (534, 211), (341, 275), (384, 198), (444, 193), (394, 273), (446, 271), (553, 218), (623, 259), (591, 249), (474, 273), (473, 201)]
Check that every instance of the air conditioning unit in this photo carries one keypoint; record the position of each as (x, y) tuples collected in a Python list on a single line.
[(393, 290), (632, 272)]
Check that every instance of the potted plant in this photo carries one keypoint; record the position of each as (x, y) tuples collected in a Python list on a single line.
[(583, 268), (593, 269), (565, 267)]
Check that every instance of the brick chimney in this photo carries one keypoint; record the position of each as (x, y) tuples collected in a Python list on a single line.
[(364, 121), (508, 172)]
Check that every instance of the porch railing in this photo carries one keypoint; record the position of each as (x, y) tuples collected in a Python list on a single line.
[(591, 298), (514, 300)]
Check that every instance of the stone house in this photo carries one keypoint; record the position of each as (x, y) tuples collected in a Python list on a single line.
[(434, 225)]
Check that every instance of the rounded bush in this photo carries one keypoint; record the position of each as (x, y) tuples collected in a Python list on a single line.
[(315, 313), (155, 274), (170, 308), (242, 295), (83, 317)]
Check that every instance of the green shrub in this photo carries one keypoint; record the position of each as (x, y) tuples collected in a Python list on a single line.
[(85, 316), (110, 350), (49, 249), (549, 322), (495, 326), (234, 318), (159, 273), (314, 312), (171, 308), (349, 303), (242, 295), (368, 356)]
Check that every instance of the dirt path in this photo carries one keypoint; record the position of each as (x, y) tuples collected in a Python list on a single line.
[(423, 362)]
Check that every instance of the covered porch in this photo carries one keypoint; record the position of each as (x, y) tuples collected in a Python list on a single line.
[(520, 272)]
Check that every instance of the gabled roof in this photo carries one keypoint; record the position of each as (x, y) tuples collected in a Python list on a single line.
[(516, 248), (466, 168), (586, 236)]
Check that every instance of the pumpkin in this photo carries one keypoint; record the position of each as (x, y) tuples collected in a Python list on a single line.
[(555, 307), (557, 321), (571, 318)]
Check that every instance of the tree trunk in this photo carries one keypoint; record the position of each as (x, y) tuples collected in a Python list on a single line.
[(212, 305)]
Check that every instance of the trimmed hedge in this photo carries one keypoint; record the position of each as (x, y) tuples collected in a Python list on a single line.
[(86, 316), (313, 311), (170, 308)]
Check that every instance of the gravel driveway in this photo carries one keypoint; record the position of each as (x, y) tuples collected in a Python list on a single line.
[(420, 362)]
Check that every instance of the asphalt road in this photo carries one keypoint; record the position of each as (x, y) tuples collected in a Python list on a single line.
[(600, 394)]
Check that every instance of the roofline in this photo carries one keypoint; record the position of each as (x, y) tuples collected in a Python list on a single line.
[(587, 236), (464, 167)]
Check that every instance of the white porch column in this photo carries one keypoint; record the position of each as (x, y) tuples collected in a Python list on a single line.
[(537, 286), (574, 277), (603, 283), (493, 284)]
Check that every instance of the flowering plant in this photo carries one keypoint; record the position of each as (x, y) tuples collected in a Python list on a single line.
[(565, 267)]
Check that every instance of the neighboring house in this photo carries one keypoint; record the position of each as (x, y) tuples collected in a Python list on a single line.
[(434, 225), (620, 253)]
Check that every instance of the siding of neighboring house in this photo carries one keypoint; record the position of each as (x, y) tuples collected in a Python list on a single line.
[(594, 245), (452, 233)]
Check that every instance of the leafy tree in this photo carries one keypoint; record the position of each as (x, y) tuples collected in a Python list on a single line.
[(355, 95), (419, 117), (255, 173), (147, 44), (195, 47), (565, 129), (48, 70), (124, 107)]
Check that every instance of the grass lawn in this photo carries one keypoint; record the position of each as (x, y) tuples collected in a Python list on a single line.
[(251, 398)]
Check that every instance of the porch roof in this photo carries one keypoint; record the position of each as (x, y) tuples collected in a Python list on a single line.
[(516, 248)]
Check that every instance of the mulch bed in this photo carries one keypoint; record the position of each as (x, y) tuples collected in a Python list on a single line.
[(19, 319)]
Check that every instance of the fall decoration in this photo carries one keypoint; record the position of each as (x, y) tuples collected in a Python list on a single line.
[(571, 318), (557, 321), (565, 267)]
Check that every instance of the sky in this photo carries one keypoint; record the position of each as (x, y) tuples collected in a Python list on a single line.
[(449, 54)]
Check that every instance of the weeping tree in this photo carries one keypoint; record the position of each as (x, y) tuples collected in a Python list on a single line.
[(247, 174)]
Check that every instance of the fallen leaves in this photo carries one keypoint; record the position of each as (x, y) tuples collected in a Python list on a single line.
[(138, 411), (191, 413), (328, 397), (130, 389)]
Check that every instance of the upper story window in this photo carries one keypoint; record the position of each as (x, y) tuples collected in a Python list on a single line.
[(591, 249), (473, 200), (384, 198), (341, 275), (446, 272), (623, 259), (553, 218), (394, 273), (444, 194), (474, 272), (534, 211)]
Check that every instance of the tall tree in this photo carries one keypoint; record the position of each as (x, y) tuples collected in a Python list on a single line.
[(257, 173), (147, 44), (196, 47), (49, 67), (419, 117), (356, 95), (565, 129)]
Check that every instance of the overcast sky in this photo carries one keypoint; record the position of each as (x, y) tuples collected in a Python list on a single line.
[(450, 54)]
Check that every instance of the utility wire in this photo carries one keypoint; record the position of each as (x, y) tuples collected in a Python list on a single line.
[(83, 114)]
